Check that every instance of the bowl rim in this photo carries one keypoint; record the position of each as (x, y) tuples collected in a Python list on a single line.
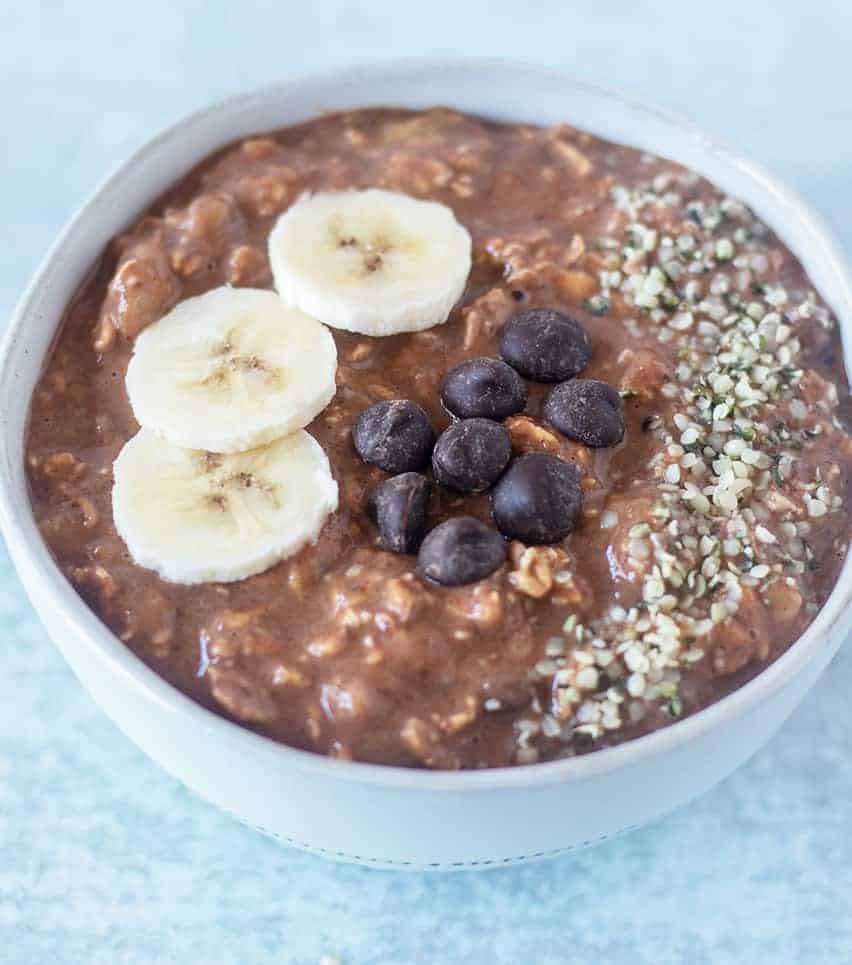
[(36, 567)]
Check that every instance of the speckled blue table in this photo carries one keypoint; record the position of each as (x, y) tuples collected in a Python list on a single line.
[(103, 858)]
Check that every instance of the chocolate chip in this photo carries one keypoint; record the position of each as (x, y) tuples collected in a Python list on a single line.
[(395, 436), (398, 507), (484, 387), (470, 456), (545, 345), (461, 550), (538, 499), (586, 410)]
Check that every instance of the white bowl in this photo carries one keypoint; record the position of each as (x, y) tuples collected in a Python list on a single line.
[(387, 816)]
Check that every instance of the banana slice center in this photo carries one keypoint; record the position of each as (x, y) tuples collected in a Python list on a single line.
[(239, 492), (369, 252), (231, 365), (233, 369), (222, 481)]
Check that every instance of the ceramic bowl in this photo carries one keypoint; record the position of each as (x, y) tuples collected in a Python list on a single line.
[(388, 816)]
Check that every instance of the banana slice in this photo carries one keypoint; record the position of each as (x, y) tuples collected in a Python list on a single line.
[(230, 370), (198, 517), (373, 261)]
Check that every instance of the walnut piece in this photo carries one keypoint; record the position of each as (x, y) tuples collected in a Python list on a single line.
[(572, 156), (740, 639), (784, 600), (644, 373), (485, 316), (104, 335), (480, 603), (399, 599), (91, 517), (256, 148), (424, 741), (416, 174), (142, 290), (238, 633), (203, 229), (97, 580), (535, 568), (576, 286), (61, 467), (328, 645), (241, 695), (248, 267), (268, 194), (526, 435), (453, 723)]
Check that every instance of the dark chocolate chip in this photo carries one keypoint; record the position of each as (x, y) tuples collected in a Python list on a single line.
[(484, 387), (545, 345), (589, 411), (395, 436), (470, 456), (398, 507), (538, 499), (461, 550)]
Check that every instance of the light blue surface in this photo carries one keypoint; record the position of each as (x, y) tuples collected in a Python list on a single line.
[(106, 860)]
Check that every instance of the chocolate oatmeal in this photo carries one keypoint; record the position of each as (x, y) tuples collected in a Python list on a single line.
[(642, 499)]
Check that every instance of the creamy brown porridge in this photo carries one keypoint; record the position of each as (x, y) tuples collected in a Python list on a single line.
[(712, 507)]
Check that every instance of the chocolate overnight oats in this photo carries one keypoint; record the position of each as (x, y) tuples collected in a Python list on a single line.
[(413, 438)]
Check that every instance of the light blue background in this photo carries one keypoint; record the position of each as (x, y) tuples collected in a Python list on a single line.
[(105, 859)]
